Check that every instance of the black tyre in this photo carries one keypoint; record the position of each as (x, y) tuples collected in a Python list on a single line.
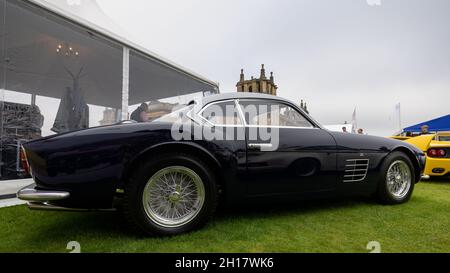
[(397, 180), (174, 194)]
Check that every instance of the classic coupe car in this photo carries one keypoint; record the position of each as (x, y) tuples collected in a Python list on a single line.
[(169, 175)]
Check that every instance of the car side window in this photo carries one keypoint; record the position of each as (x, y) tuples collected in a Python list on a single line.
[(272, 114), (222, 114)]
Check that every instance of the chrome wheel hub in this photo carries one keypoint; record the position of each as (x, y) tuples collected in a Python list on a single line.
[(173, 196), (399, 179)]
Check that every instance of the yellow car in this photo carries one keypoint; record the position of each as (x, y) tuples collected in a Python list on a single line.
[(437, 149)]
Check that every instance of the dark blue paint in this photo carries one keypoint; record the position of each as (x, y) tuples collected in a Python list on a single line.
[(91, 164)]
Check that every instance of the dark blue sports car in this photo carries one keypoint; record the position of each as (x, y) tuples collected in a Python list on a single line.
[(169, 175)]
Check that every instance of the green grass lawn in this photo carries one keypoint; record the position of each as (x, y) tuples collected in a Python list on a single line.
[(422, 225)]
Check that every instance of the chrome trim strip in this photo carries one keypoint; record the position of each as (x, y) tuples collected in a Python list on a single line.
[(29, 193), (49, 207), (281, 127), (241, 113)]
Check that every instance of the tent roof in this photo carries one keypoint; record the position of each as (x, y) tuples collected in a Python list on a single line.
[(436, 125), (90, 11), (125, 42)]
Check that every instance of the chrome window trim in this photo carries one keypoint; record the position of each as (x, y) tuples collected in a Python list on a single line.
[(244, 124), (241, 113), (313, 124), (191, 113), (191, 116), (199, 114)]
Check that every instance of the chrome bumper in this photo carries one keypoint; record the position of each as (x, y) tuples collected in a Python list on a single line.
[(30, 193), (40, 200)]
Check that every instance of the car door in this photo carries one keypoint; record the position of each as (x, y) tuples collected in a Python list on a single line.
[(287, 153), (223, 134)]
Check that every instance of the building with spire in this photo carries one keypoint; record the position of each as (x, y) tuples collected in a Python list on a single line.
[(304, 106), (262, 85)]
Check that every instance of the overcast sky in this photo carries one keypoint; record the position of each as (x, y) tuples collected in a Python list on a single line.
[(335, 54)]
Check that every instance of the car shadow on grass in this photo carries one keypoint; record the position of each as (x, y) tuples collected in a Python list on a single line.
[(281, 208), (94, 223), (63, 226)]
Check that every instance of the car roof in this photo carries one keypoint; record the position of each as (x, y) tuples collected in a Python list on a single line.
[(240, 95)]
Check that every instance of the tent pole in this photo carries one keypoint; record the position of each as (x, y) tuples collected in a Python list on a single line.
[(125, 83)]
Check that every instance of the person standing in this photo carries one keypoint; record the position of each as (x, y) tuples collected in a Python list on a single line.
[(424, 130)]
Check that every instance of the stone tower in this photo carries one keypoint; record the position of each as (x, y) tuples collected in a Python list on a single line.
[(262, 85)]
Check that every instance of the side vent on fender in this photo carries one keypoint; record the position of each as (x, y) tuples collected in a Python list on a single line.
[(356, 170)]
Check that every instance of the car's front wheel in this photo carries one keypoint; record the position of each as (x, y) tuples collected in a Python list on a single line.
[(397, 179), (172, 195)]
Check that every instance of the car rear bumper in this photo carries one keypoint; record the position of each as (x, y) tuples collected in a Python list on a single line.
[(41, 199), (437, 167), (31, 194)]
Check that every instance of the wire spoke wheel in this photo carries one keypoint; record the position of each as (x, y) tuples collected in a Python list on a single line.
[(173, 196), (399, 179)]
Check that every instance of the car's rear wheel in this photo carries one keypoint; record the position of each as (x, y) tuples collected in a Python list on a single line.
[(397, 179), (172, 195)]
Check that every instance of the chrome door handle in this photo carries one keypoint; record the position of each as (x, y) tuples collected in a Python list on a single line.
[(260, 146)]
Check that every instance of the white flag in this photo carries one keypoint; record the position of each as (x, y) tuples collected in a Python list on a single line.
[(398, 114), (354, 122)]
